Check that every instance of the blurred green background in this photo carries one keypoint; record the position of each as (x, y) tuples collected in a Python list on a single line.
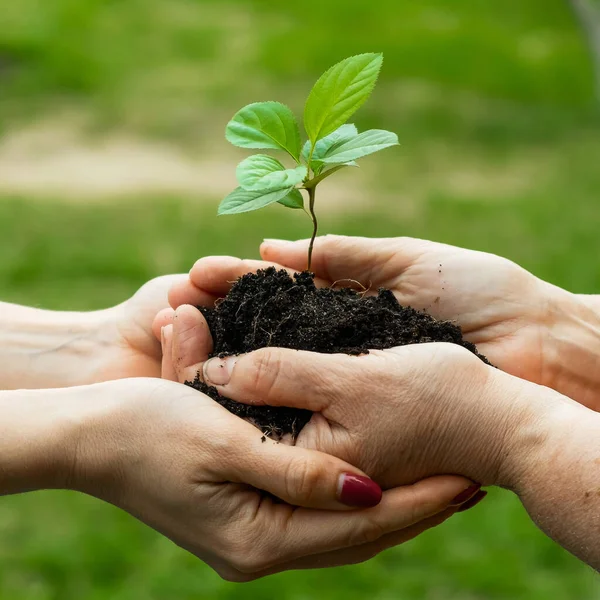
[(112, 162)]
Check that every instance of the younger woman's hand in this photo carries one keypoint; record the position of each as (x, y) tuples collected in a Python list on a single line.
[(181, 463), (525, 326)]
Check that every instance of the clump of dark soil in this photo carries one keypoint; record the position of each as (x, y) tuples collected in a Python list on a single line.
[(270, 308)]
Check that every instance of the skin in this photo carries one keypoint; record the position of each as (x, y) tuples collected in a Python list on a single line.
[(454, 413), (525, 326), (435, 408), (171, 456), (42, 348), (183, 465)]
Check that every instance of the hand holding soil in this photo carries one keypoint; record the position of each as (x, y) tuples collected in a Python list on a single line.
[(409, 412), (185, 466), (400, 414), (523, 325)]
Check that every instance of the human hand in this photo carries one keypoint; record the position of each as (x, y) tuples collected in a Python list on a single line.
[(401, 414), (524, 325), (42, 349), (407, 412), (130, 345), (182, 464)]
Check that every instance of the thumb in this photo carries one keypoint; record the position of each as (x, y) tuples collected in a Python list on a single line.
[(302, 477), (192, 342), (335, 257)]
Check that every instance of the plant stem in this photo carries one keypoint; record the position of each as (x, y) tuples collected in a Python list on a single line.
[(311, 207), (316, 180)]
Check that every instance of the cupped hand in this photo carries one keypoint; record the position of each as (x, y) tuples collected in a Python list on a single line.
[(514, 318), (248, 507), (130, 346), (400, 415)]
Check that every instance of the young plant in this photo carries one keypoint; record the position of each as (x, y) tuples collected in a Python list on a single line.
[(332, 143)]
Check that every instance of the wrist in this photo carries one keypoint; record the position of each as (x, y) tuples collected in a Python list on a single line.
[(51, 349), (39, 432), (110, 425), (534, 437), (571, 348)]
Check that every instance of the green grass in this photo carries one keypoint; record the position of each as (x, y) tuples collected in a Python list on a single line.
[(61, 546), (500, 152)]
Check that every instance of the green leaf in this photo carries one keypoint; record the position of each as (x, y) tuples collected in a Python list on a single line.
[(350, 163), (339, 93), (265, 125), (293, 200), (322, 147), (363, 144), (240, 200), (262, 172)]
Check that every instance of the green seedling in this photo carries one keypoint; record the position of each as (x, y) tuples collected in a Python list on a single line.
[(332, 143)]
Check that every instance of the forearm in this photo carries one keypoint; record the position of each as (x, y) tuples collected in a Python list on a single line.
[(556, 472), (43, 349), (37, 440), (572, 347)]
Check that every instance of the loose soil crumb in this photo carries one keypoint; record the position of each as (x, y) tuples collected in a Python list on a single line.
[(270, 308)]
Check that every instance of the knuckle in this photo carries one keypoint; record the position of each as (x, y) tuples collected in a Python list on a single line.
[(302, 478), (246, 554), (251, 561), (371, 531), (334, 241), (416, 505), (266, 371)]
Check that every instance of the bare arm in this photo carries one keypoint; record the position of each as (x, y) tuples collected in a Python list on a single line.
[(572, 346), (42, 348), (179, 462), (557, 476), (36, 439), (49, 349)]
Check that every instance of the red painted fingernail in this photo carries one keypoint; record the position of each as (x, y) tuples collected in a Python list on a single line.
[(476, 499), (466, 495), (358, 491)]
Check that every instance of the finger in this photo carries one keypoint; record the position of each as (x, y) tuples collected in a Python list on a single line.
[(162, 319), (192, 342), (284, 377), (337, 257), (299, 476), (309, 532), (362, 553), (185, 292), (216, 274), (168, 369)]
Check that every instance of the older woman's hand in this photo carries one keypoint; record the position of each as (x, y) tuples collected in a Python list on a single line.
[(415, 411), (400, 414)]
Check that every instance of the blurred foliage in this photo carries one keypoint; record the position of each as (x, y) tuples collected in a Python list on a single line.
[(493, 105)]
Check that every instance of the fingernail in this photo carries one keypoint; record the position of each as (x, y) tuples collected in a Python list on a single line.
[(465, 495), (162, 336), (474, 501), (217, 371), (358, 491)]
